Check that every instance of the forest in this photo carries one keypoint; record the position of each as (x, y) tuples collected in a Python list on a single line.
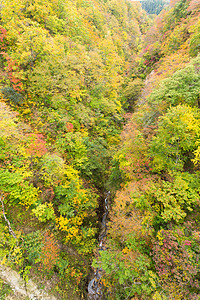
[(154, 6), (98, 96)]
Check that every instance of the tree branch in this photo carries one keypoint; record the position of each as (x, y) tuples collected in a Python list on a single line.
[(9, 226)]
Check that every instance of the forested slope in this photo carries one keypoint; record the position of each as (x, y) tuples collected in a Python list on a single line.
[(63, 65), (74, 76), (154, 229), (154, 6)]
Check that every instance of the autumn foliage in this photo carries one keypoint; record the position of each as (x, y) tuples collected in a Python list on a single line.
[(155, 214), (37, 145), (98, 96), (49, 252)]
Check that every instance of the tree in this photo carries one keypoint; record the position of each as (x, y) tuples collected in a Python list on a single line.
[(176, 198), (176, 140), (176, 262), (182, 87), (133, 91)]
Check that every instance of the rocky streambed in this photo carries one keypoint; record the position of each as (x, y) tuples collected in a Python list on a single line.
[(95, 286)]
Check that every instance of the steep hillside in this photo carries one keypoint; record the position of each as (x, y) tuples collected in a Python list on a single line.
[(63, 65), (95, 96), (154, 6), (152, 249)]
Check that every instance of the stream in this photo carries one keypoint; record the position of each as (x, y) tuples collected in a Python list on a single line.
[(95, 286)]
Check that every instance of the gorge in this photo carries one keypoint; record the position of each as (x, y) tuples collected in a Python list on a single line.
[(96, 96)]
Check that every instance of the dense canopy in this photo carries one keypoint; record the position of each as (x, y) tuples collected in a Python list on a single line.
[(99, 96)]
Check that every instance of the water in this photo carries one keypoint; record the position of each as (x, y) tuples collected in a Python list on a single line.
[(95, 286)]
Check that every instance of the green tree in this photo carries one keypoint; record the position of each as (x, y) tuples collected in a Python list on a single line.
[(176, 140)]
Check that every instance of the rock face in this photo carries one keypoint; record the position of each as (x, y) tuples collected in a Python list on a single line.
[(18, 285)]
